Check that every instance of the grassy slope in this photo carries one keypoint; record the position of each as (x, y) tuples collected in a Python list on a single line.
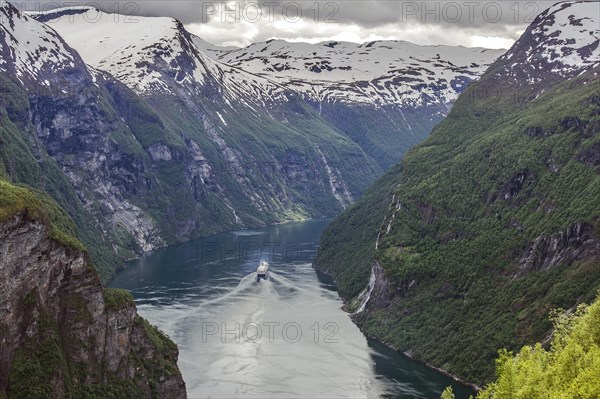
[(460, 241)]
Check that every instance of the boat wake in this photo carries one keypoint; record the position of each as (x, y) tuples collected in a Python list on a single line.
[(240, 342)]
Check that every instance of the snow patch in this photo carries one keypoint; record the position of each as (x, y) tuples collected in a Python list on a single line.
[(221, 117)]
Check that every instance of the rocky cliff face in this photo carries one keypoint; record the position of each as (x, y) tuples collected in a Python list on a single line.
[(577, 242), (63, 335)]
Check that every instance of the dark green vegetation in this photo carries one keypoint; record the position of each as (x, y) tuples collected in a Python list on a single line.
[(494, 222)]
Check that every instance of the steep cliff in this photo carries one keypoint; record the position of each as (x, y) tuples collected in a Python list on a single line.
[(62, 334), (493, 220)]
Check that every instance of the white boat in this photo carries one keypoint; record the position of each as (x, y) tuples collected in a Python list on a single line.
[(262, 271)]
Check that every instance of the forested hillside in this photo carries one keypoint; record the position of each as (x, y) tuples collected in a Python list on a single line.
[(491, 222)]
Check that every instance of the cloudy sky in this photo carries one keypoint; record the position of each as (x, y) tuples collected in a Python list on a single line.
[(492, 24)]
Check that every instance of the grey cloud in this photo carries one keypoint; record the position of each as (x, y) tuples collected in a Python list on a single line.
[(452, 18), (367, 13), (451, 13)]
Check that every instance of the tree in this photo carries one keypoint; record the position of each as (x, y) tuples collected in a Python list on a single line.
[(448, 393), (569, 369)]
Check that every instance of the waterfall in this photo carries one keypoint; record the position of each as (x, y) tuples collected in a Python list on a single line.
[(366, 294)]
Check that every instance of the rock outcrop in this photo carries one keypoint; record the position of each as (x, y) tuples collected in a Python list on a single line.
[(576, 242), (63, 335)]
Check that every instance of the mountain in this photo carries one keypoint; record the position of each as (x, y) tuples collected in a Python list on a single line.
[(147, 138), (178, 160), (379, 72), (466, 245), (385, 95), (62, 334), (400, 88)]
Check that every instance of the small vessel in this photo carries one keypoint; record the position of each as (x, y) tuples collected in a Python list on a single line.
[(262, 271)]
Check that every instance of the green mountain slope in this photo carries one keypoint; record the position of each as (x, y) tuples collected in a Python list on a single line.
[(483, 248), (348, 244), (488, 225)]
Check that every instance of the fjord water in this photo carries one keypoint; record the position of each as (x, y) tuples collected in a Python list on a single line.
[(283, 337)]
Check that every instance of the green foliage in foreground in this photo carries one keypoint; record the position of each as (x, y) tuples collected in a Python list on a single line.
[(448, 393), (570, 369)]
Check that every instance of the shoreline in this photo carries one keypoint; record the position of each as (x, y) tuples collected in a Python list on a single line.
[(345, 308), (470, 385)]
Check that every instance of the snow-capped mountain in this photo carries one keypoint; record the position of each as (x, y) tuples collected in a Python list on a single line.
[(33, 51), (380, 72), (151, 54), (563, 41), (400, 88)]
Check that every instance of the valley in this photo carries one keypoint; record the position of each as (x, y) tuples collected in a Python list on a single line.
[(186, 144), (429, 212)]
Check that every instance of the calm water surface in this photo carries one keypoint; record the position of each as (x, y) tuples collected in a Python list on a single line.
[(286, 337)]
